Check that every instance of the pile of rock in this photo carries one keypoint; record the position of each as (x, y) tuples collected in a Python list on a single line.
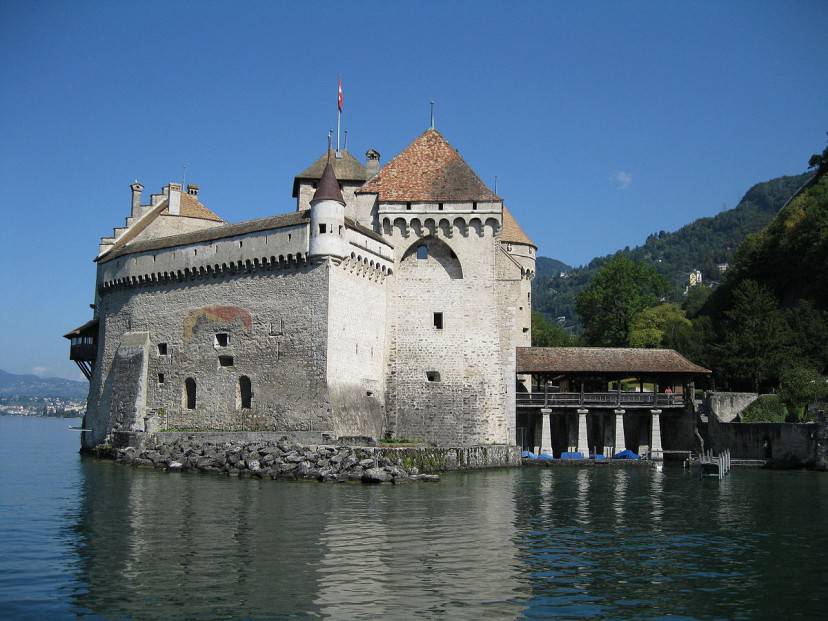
[(274, 460)]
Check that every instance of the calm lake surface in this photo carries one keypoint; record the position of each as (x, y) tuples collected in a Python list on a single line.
[(92, 539)]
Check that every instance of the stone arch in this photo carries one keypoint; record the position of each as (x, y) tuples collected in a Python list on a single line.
[(401, 226), (445, 227), (476, 225), (430, 226), (386, 226), (461, 226), (491, 227), (441, 263)]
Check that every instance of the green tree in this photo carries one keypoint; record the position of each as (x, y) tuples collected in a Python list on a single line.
[(620, 290), (548, 334), (799, 386), (695, 299), (755, 335), (649, 324)]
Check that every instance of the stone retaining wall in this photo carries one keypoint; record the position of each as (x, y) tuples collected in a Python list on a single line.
[(284, 458)]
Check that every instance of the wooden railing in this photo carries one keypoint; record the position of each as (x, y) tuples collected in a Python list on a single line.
[(599, 399)]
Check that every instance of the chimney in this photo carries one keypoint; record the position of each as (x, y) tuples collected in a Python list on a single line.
[(192, 189), (136, 188), (372, 163), (174, 197)]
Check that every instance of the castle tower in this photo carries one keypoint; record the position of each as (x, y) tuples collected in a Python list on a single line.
[(327, 219)]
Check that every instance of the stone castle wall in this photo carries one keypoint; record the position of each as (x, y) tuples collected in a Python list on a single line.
[(276, 322)]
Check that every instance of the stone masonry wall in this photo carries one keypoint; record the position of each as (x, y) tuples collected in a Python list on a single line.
[(468, 404), (357, 349), (276, 322)]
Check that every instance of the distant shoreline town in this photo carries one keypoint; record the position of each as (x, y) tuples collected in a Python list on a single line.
[(49, 407)]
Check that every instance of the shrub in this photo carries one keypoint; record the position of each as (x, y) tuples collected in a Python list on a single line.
[(766, 409)]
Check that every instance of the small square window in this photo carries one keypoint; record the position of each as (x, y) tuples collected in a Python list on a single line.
[(422, 253), (162, 349), (440, 206), (474, 206), (226, 361), (408, 206), (321, 228), (438, 321), (222, 339), (433, 376), (526, 329), (160, 379)]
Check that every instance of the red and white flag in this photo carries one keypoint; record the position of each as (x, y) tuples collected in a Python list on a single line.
[(339, 97)]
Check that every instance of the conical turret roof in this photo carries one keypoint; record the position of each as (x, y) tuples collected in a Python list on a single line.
[(429, 169), (328, 189)]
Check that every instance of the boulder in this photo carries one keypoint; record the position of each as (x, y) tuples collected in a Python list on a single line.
[(376, 475)]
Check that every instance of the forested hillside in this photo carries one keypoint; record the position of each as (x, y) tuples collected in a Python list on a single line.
[(702, 244)]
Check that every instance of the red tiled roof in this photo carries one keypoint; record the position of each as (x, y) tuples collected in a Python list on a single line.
[(429, 169), (604, 360), (512, 232), (190, 207)]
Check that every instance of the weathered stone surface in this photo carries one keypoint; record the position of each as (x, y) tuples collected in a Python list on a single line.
[(376, 475)]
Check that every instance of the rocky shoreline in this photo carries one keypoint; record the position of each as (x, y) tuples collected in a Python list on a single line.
[(283, 460)]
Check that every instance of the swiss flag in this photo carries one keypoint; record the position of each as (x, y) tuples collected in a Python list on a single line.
[(339, 96)]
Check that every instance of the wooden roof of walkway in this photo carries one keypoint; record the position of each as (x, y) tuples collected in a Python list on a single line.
[(604, 360)]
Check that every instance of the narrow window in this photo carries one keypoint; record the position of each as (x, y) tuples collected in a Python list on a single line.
[(526, 329), (340, 229), (160, 379), (162, 349), (438, 321), (241, 243), (408, 206), (245, 396), (321, 228), (433, 376), (440, 206), (190, 393), (422, 252), (474, 206), (226, 361), (222, 339)]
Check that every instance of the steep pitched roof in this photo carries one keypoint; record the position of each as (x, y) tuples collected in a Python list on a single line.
[(328, 189), (512, 232), (190, 207), (604, 360), (429, 169), (346, 168)]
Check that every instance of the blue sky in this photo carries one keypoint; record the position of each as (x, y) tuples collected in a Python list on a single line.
[(603, 121)]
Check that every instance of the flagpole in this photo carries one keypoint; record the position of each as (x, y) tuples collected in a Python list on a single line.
[(338, 118)]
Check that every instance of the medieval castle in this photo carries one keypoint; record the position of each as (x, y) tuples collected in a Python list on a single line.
[(389, 304)]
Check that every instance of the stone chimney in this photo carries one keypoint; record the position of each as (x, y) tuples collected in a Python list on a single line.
[(174, 196), (136, 188), (372, 163), (192, 189)]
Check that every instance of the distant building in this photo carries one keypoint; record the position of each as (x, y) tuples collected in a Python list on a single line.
[(695, 278), (722, 267)]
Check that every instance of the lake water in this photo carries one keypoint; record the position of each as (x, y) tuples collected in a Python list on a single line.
[(93, 539)]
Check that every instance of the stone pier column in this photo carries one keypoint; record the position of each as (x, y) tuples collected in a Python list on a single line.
[(583, 441), (620, 443), (655, 442), (546, 431)]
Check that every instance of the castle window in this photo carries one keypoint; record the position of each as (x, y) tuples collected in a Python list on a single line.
[(244, 396), (438, 321), (222, 339), (526, 329), (225, 361), (474, 206), (241, 243), (433, 376), (422, 252), (190, 393), (408, 206), (162, 349), (340, 229), (277, 328), (321, 228), (440, 206), (160, 379)]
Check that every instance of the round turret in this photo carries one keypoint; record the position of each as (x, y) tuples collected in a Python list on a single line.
[(327, 218)]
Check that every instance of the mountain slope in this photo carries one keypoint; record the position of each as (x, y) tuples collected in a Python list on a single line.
[(703, 244), (34, 386)]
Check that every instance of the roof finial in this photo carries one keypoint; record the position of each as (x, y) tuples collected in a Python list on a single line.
[(495, 184), (330, 133), (432, 115), (345, 142)]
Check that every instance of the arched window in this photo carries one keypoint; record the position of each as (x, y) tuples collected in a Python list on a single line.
[(190, 393), (422, 252), (245, 393)]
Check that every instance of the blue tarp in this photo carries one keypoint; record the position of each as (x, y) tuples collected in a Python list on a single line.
[(528, 455), (567, 455), (626, 454), (600, 457), (546, 457)]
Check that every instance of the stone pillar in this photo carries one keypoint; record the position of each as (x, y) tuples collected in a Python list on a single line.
[(546, 432), (655, 442), (620, 443), (583, 442)]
